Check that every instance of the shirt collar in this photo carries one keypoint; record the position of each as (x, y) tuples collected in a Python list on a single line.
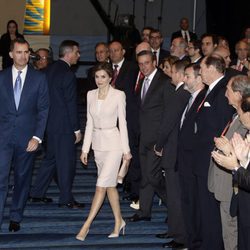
[(151, 76), (178, 85), (119, 64), (211, 86)]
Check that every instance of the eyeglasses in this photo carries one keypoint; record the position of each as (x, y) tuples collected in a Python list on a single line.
[(189, 47)]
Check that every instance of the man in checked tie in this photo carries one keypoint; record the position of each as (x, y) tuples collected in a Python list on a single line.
[(23, 115)]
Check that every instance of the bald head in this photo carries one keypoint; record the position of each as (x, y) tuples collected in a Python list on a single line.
[(142, 46), (224, 53)]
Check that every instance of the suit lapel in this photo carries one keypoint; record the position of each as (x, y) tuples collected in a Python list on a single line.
[(26, 88), (9, 87), (196, 102), (153, 84)]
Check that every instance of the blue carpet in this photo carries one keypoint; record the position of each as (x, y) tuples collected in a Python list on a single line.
[(45, 226)]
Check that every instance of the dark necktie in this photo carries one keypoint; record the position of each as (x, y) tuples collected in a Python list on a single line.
[(114, 75), (138, 83), (155, 55), (18, 89)]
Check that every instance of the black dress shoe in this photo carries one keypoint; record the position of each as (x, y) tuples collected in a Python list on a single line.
[(72, 205), (14, 226), (173, 244), (136, 218), (131, 198), (43, 199), (163, 236)]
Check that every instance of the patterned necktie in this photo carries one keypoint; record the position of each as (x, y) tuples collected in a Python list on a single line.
[(145, 89), (115, 75), (18, 89), (139, 82)]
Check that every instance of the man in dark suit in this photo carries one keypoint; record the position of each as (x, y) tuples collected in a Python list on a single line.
[(184, 32), (184, 163), (23, 116), (156, 93), (168, 146), (125, 75), (241, 63), (155, 41), (194, 51), (179, 48), (225, 54), (63, 131), (214, 113)]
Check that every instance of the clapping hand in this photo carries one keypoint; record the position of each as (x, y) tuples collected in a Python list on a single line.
[(227, 161), (241, 148), (223, 144)]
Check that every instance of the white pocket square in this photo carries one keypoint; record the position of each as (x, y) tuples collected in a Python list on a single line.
[(207, 104)]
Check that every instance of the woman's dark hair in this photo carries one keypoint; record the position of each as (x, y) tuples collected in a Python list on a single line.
[(12, 21), (103, 66)]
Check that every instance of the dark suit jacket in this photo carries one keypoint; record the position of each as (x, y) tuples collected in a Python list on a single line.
[(163, 54), (153, 109), (126, 81), (170, 127), (63, 114), (244, 69), (31, 117), (5, 42), (186, 137), (230, 72), (176, 34), (242, 178), (212, 118)]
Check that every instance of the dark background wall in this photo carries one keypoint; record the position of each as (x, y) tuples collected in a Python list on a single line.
[(78, 17), (228, 17)]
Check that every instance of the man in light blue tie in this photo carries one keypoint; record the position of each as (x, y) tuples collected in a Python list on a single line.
[(24, 106)]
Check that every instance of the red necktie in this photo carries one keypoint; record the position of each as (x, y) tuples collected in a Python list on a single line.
[(139, 82), (114, 75)]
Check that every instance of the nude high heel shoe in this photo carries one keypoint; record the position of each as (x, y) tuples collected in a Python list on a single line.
[(122, 228), (82, 237)]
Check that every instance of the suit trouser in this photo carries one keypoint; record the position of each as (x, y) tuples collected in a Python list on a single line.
[(229, 226), (244, 236), (152, 181), (60, 157), (134, 172), (176, 226), (210, 220), (22, 166)]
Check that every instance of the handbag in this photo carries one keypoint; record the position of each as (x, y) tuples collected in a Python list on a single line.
[(123, 171)]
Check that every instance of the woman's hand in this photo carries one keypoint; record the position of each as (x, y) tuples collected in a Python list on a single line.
[(223, 144), (84, 158), (127, 156), (229, 162)]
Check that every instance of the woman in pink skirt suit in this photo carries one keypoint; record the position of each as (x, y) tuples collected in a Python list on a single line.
[(106, 107)]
